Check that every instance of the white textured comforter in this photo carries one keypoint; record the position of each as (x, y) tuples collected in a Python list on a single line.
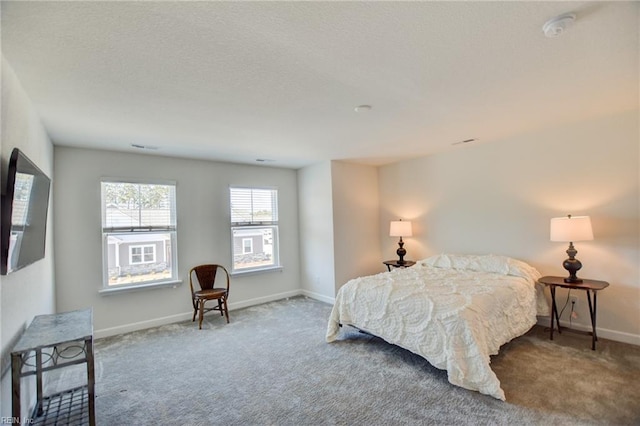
[(453, 310)]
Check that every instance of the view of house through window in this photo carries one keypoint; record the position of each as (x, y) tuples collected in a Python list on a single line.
[(142, 254), (254, 228), (139, 233)]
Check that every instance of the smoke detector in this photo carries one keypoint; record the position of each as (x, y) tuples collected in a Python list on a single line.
[(554, 27)]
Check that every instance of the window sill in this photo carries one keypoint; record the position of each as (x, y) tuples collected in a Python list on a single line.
[(256, 271), (138, 287)]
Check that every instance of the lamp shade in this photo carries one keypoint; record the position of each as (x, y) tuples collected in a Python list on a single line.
[(571, 228), (398, 228)]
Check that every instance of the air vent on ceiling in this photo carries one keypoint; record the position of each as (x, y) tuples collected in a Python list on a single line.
[(465, 141), (139, 146)]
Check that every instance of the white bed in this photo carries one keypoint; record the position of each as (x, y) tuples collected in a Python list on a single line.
[(454, 310)]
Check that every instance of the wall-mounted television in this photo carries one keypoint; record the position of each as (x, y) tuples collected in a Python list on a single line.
[(23, 215)]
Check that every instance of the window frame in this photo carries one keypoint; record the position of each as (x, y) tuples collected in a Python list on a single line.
[(166, 233), (253, 224)]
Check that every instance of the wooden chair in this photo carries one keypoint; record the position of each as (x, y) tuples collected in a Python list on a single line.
[(205, 276)]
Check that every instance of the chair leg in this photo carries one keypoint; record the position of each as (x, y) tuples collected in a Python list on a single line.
[(226, 310), (220, 307), (201, 305), (195, 311)]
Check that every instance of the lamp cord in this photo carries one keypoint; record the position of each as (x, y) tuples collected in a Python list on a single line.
[(565, 305)]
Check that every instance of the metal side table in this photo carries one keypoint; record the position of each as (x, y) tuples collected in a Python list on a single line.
[(51, 342)]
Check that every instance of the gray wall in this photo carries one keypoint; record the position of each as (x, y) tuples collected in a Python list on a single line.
[(355, 221), (315, 205), (29, 291), (204, 234), (498, 198), (339, 240)]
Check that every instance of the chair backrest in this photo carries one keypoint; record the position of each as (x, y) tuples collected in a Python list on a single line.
[(205, 275)]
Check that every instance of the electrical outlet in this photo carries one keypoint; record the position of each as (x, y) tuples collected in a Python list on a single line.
[(574, 301), (574, 306)]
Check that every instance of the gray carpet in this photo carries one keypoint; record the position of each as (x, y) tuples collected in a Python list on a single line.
[(272, 366)]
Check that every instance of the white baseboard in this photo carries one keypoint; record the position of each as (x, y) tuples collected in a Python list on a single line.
[(605, 333), (320, 297), (127, 328), (264, 299), (185, 316), (618, 336)]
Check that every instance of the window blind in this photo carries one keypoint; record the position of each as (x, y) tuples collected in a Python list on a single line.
[(254, 206), (138, 207)]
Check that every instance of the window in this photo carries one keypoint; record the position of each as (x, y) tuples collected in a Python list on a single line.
[(247, 245), (254, 228), (138, 233), (142, 254)]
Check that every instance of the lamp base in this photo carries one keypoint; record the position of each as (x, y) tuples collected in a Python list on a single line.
[(572, 265), (401, 252)]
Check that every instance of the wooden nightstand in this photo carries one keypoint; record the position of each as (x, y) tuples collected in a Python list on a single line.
[(586, 285), (395, 264)]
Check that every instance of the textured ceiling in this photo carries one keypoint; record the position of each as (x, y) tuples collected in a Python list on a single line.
[(237, 81)]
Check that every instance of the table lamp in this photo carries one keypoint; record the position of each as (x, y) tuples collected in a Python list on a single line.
[(570, 229), (398, 228)]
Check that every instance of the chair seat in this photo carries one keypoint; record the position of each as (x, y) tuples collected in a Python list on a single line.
[(214, 293)]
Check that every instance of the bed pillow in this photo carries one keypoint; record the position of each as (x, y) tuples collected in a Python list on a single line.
[(497, 264), (483, 263)]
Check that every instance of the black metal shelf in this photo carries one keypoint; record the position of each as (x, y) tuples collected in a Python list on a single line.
[(70, 407)]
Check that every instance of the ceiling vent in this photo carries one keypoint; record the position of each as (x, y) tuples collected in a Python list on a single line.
[(465, 141), (149, 147)]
